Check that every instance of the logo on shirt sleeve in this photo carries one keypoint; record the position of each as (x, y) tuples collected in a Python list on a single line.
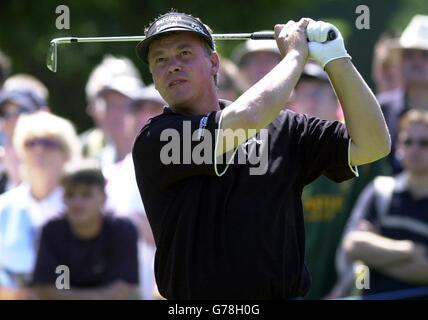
[(202, 125)]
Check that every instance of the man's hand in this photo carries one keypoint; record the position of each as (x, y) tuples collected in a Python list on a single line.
[(377, 251), (292, 37), (324, 52), (414, 271)]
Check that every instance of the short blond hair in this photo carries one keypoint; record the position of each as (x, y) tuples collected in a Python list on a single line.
[(43, 124), (413, 116)]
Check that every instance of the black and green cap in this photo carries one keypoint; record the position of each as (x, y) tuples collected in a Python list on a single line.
[(172, 22)]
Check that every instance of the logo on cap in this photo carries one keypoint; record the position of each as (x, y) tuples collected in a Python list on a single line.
[(172, 22), (197, 28), (170, 19)]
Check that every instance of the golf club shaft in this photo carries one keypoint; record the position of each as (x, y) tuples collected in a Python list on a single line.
[(53, 55), (226, 36)]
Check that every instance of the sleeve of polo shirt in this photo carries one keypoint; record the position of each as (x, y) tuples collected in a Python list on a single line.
[(326, 150), (173, 147)]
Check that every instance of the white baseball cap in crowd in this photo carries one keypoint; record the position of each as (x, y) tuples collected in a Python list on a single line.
[(148, 93), (415, 36), (250, 46)]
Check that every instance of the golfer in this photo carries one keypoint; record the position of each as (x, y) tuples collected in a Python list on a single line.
[(226, 228)]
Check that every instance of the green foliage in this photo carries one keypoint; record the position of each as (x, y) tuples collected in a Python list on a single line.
[(26, 27)]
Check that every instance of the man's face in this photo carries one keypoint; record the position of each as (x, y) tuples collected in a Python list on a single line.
[(110, 111), (182, 69), (413, 148), (84, 203), (143, 111), (44, 154), (10, 113), (315, 98), (257, 64), (415, 66)]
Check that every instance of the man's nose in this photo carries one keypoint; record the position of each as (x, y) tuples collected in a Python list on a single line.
[(174, 66)]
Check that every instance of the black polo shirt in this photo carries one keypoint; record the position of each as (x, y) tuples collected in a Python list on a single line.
[(111, 255), (404, 219), (236, 235)]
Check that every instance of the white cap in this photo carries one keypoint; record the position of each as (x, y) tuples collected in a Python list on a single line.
[(253, 46), (149, 93), (314, 70), (415, 36), (118, 74), (128, 86)]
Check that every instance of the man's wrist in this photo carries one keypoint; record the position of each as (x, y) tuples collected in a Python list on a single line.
[(337, 65), (297, 56)]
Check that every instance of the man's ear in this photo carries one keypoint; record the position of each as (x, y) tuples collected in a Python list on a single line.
[(215, 63)]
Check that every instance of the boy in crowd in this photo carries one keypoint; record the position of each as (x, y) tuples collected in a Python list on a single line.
[(99, 251)]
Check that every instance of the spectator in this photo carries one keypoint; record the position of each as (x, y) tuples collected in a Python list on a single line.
[(28, 83), (18, 97), (44, 143), (413, 49), (110, 89), (100, 251), (5, 67), (314, 95), (123, 196), (255, 58), (392, 237), (230, 84), (386, 69), (14, 103), (147, 103)]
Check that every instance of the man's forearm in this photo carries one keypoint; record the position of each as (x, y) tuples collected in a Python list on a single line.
[(377, 251), (363, 116), (267, 98), (415, 271), (261, 104)]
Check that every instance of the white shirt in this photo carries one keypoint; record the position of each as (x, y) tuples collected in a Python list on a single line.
[(123, 196), (21, 220), (123, 199)]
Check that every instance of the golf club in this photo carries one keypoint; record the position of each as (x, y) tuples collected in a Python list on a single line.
[(52, 58)]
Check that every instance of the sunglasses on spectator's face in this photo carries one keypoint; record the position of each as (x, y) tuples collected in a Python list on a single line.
[(10, 114), (421, 143), (414, 53), (43, 142)]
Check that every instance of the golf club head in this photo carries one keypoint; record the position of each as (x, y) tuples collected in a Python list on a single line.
[(52, 57)]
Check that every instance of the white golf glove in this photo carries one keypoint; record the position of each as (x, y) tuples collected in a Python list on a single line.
[(321, 50)]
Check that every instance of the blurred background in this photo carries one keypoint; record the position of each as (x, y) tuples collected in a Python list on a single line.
[(99, 103), (26, 27)]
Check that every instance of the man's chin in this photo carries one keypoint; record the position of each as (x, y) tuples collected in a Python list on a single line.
[(180, 105), (78, 218)]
